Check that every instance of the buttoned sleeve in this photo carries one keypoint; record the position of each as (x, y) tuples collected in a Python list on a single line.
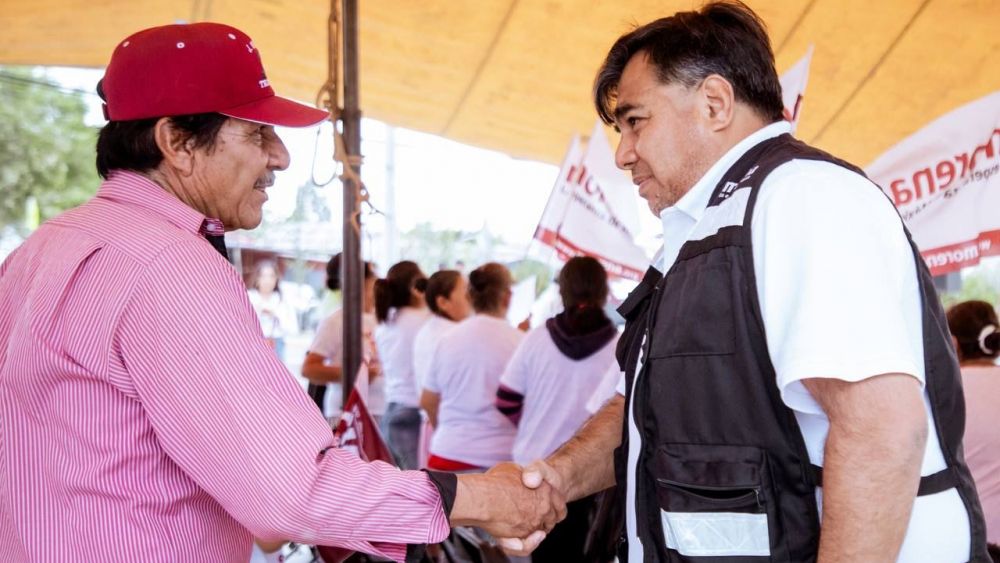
[(329, 339), (229, 414)]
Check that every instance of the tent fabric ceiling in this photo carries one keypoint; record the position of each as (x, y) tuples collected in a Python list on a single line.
[(515, 75)]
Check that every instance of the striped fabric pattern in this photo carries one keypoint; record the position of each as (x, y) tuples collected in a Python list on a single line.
[(143, 416)]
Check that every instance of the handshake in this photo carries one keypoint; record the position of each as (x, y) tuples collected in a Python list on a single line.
[(517, 505)]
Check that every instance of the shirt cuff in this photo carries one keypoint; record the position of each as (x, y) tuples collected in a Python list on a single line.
[(447, 486)]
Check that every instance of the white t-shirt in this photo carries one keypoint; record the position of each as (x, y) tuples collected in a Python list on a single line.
[(466, 371), (839, 295), (425, 343), (394, 341), (276, 316), (606, 389), (556, 390), (329, 343)]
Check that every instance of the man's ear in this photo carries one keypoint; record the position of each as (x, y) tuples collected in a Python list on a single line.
[(175, 146), (719, 101)]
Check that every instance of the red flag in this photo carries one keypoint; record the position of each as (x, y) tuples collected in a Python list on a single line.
[(356, 431)]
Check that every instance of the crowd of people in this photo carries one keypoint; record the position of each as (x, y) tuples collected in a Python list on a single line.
[(465, 390)]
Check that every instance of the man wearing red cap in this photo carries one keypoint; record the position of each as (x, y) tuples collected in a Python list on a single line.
[(144, 417)]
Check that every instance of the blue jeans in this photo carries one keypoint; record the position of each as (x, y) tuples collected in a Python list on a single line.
[(401, 427)]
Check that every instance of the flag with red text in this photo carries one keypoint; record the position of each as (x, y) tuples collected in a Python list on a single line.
[(945, 181)]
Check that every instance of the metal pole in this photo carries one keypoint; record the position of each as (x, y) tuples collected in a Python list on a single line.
[(353, 282)]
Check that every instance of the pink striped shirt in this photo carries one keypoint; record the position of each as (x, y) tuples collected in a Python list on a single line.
[(143, 417)]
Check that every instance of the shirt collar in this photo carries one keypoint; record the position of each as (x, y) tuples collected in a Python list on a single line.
[(136, 190), (694, 202)]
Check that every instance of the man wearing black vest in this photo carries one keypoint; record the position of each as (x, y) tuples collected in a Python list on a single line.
[(790, 391)]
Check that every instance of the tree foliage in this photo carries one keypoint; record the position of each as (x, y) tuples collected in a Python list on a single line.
[(46, 149), (978, 287), (436, 249)]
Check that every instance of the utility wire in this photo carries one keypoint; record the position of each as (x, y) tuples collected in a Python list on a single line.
[(27, 81)]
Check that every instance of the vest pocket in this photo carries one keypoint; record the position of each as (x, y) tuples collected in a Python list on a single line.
[(695, 316), (714, 501)]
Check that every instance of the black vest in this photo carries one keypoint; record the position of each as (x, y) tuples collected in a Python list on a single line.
[(717, 437)]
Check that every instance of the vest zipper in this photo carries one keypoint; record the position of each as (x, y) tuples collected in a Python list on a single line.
[(693, 489)]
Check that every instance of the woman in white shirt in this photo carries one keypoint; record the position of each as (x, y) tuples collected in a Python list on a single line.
[(322, 366), (976, 332), (447, 298), (400, 311), (276, 316), (549, 381), (470, 434)]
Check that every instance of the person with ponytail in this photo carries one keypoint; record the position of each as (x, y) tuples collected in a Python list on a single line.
[(976, 333), (322, 366), (469, 433), (546, 386), (400, 310), (447, 298)]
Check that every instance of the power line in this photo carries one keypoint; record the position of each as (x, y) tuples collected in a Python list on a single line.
[(27, 81)]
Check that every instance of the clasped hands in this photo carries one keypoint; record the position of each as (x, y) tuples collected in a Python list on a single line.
[(519, 506)]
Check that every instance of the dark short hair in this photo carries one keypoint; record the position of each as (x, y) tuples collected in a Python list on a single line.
[(441, 284), (488, 284), (967, 321), (131, 145), (393, 291), (583, 282), (333, 282), (724, 38)]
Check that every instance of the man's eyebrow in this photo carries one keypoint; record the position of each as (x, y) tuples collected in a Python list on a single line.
[(622, 110)]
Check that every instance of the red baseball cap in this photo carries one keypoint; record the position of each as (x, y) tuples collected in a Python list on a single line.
[(185, 69)]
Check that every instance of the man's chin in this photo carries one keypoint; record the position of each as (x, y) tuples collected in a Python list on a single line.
[(247, 223)]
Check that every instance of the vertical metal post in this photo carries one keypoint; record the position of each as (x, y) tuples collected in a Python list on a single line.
[(352, 273)]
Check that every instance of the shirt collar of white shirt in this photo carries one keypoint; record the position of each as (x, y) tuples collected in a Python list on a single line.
[(680, 218)]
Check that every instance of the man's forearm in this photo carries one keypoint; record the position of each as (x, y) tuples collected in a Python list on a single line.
[(585, 463), (316, 371)]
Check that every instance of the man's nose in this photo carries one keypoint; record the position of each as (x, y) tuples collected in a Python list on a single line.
[(279, 159), (625, 153)]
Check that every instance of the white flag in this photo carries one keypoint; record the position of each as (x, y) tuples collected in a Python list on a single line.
[(522, 297), (793, 88), (599, 214), (542, 246), (616, 185), (945, 181)]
